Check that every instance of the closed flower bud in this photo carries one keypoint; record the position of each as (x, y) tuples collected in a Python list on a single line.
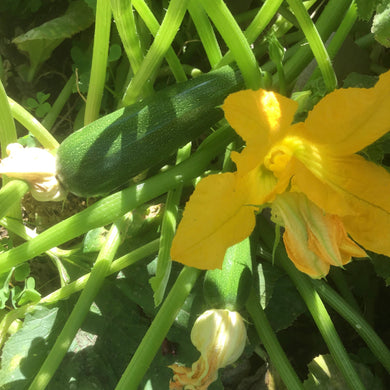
[(37, 167), (220, 337)]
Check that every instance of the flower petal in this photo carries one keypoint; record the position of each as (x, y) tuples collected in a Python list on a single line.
[(260, 118), (216, 217), (347, 120), (371, 228), (358, 191)]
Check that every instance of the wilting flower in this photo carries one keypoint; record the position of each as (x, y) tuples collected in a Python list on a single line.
[(317, 159), (37, 167), (220, 337)]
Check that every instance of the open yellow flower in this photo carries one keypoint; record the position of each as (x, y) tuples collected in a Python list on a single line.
[(316, 158)]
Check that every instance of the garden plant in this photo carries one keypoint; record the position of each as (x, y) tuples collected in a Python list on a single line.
[(195, 194)]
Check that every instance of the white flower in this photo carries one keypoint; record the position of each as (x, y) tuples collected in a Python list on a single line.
[(220, 336), (37, 167)]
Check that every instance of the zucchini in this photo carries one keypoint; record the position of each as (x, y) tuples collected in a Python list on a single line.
[(229, 287), (107, 153)]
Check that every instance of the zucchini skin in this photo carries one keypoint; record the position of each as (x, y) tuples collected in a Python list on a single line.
[(108, 152)]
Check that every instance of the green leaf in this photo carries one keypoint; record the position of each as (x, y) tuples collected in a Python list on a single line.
[(324, 374), (366, 8), (22, 272), (381, 266), (40, 42), (283, 302), (381, 24), (42, 97), (115, 53)]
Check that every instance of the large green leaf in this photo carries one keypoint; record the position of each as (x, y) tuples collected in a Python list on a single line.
[(40, 42)]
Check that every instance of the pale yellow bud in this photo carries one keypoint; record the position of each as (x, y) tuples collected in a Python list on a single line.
[(220, 337), (37, 167)]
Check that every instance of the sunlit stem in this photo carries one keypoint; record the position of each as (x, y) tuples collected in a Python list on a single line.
[(33, 125), (99, 60), (156, 53), (315, 42)]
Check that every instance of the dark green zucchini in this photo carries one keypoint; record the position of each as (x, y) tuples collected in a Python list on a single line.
[(107, 153)]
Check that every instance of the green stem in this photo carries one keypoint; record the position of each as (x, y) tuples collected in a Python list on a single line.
[(76, 286), (257, 26), (125, 23), (236, 41), (99, 60), (11, 194), (33, 125), (168, 229), (157, 331), (153, 25), (206, 33), (112, 207), (156, 53), (359, 324), (7, 124), (328, 21), (268, 338), (315, 42), (340, 35), (49, 120), (317, 309), (81, 309)]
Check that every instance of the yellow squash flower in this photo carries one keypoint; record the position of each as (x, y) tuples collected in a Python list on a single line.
[(220, 337), (341, 192)]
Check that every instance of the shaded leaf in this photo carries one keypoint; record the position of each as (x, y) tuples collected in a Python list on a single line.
[(324, 375), (366, 8), (40, 42), (282, 300)]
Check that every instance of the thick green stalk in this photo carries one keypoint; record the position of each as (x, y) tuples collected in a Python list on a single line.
[(49, 120), (125, 23), (328, 21), (323, 322), (81, 309), (157, 51), (359, 324), (340, 35), (235, 40), (122, 11), (112, 207), (33, 125), (206, 33), (257, 26), (7, 125), (153, 25), (268, 338), (157, 331), (168, 228), (99, 60), (315, 42), (11, 195)]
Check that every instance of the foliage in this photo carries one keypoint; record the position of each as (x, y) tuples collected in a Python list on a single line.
[(55, 256)]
